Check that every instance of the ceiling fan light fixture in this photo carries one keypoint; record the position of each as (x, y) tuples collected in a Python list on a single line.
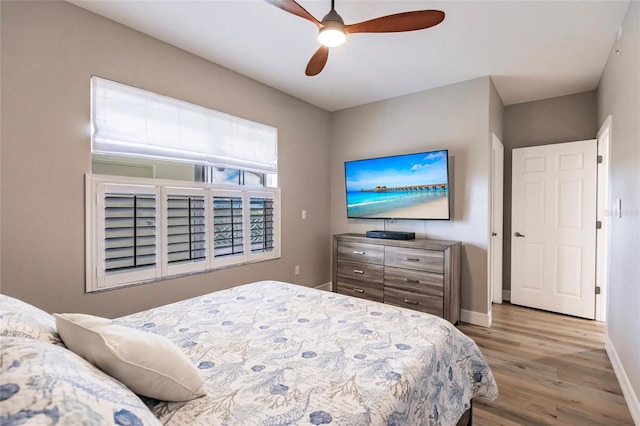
[(332, 36)]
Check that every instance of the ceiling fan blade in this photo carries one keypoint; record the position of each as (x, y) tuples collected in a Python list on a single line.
[(405, 21), (317, 61), (294, 8)]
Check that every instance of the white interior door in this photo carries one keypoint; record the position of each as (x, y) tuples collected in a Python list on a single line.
[(497, 201), (553, 241)]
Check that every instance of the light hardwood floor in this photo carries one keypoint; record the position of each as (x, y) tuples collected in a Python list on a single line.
[(551, 370)]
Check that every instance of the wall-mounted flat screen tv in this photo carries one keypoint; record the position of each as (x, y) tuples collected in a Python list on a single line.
[(409, 186)]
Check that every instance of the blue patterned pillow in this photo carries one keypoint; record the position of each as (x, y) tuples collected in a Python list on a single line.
[(42, 383), (20, 319)]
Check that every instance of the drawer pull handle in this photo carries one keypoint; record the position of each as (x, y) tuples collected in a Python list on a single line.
[(358, 271), (412, 259), (410, 302), (407, 280), (359, 290), (362, 253)]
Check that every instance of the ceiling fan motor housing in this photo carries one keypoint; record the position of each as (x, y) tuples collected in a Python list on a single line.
[(332, 17)]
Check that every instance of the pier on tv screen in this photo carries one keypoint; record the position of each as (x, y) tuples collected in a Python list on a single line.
[(409, 186)]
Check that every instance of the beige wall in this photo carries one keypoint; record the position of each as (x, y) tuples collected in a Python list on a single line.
[(454, 117), (496, 114), (619, 96), (0, 157), (49, 52), (562, 119)]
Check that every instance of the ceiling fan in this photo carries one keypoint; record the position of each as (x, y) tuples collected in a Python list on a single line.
[(333, 31)]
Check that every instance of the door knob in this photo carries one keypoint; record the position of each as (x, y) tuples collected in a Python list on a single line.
[(493, 234), (517, 234)]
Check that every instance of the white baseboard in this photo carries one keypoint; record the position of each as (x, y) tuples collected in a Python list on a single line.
[(627, 390), (475, 318), (506, 295), (326, 286)]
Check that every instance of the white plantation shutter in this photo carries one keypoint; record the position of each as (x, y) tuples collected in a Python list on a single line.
[(127, 237), (228, 226), (137, 123), (245, 226), (262, 221), (142, 230), (185, 230), (130, 237)]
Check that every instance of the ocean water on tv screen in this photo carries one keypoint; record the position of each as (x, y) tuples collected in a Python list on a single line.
[(385, 204)]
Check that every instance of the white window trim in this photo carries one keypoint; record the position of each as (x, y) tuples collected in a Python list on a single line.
[(94, 192)]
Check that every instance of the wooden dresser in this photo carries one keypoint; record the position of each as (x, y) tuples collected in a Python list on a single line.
[(418, 274)]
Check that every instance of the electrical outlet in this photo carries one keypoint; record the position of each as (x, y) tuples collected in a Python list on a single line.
[(296, 270), (304, 214)]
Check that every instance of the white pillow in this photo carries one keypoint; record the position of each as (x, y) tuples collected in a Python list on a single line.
[(149, 364)]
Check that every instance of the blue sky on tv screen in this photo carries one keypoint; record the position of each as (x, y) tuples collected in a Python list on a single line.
[(403, 170)]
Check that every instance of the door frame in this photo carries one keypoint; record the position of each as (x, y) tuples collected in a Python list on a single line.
[(496, 222), (602, 234)]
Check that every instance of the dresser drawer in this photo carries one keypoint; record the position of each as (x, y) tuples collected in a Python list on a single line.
[(420, 302), (360, 271), (423, 260), (361, 289), (359, 252), (420, 282)]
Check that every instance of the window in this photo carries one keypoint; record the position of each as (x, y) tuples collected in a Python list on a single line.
[(228, 176), (142, 230), (223, 210)]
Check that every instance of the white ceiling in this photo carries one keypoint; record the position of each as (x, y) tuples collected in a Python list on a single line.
[(533, 49)]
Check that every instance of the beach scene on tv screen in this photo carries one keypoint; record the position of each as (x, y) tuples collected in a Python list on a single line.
[(413, 186)]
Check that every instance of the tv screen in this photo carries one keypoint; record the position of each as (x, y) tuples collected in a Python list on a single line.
[(410, 186)]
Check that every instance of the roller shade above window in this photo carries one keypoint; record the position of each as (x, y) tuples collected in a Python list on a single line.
[(132, 122)]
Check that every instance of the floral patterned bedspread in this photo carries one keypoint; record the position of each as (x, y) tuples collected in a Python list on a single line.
[(274, 353)]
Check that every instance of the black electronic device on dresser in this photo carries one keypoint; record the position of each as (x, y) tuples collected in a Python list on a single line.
[(391, 235), (423, 275)]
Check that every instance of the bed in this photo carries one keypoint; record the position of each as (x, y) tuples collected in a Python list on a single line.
[(273, 353)]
